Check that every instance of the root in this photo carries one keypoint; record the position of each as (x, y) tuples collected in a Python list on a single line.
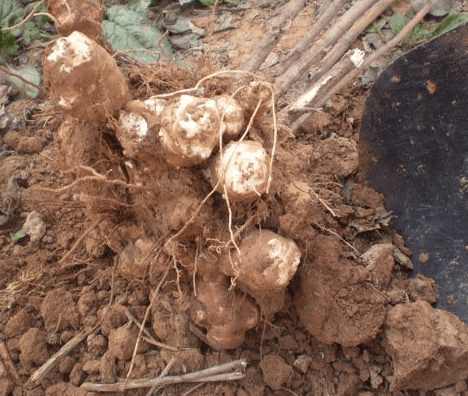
[(42, 371), (79, 240), (232, 371), (218, 183), (31, 15), (96, 177), (145, 318)]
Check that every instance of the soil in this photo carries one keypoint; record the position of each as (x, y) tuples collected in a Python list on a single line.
[(351, 322)]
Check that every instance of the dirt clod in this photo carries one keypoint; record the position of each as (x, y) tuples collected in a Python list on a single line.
[(422, 288), (63, 389), (335, 301), (19, 323), (66, 365), (77, 374), (429, 347), (380, 262), (59, 311), (33, 348), (122, 342), (6, 386), (337, 155), (276, 373)]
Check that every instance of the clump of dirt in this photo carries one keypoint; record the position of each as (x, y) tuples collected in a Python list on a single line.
[(276, 372), (337, 300), (33, 348), (59, 310), (429, 347)]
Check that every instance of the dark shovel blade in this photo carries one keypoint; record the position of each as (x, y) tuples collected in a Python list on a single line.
[(414, 149)]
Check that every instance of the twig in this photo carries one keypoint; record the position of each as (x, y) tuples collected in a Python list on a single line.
[(79, 240), (286, 14), (224, 372), (378, 53), (148, 335), (350, 37), (42, 371), (307, 101), (13, 74), (148, 309), (339, 237), (163, 374), (193, 389), (323, 20), (315, 52), (26, 19), (8, 363)]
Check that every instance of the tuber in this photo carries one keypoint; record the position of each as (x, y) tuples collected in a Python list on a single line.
[(84, 79), (139, 125), (77, 15), (233, 120), (189, 130), (225, 314), (243, 169), (263, 267)]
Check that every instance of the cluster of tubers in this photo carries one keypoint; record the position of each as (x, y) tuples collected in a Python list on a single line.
[(187, 132)]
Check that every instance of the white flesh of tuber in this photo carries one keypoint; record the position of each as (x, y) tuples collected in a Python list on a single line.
[(189, 130), (243, 170), (139, 125), (233, 119)]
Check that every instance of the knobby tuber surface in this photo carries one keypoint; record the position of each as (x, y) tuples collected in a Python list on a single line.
[(225, 314), (241, 170), (84, 79), (139, 126), (233, 120), (263, 267), (189, 130), (83, 16)]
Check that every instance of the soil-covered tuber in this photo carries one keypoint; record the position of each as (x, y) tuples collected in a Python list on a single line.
[(84, 79), (265, 266), (226, 315), (139, 125), (77, 15), (189, 130), (233, 119), (243, 169)]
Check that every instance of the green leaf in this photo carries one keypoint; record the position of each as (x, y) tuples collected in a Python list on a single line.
[(8, 46), (450, 22), (420, 33), (130, 31), (10, 12), (29, 73), (397, 22), (207, 2), (140, 6), (17, 236)]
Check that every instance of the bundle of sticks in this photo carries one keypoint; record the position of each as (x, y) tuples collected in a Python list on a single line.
[(324, 53)]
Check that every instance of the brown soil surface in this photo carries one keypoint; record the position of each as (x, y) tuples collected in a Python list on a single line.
[(350, 322)]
